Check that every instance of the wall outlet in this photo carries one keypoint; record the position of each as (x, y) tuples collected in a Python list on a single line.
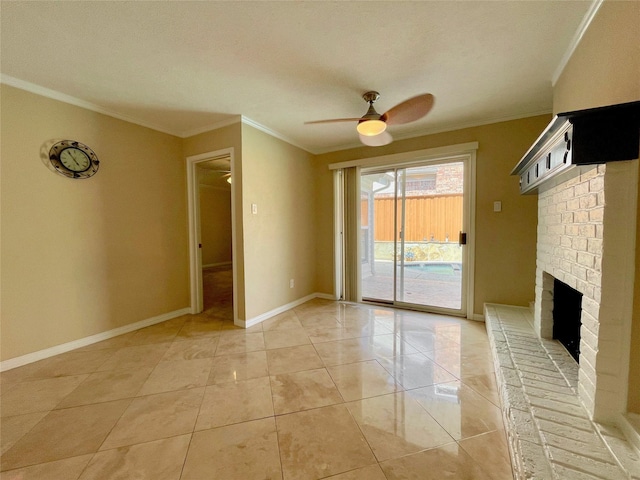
[(292, 283)]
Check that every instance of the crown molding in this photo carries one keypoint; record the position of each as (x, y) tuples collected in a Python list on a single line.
[(273, 133), (582, 28), (64, 98), (213, 126)]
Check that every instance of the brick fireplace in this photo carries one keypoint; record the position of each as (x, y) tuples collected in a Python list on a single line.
[(566, 418), (586, 239)]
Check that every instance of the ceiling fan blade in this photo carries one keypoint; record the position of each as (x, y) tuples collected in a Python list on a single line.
[(333, 120), (409, 110), (379, 140)]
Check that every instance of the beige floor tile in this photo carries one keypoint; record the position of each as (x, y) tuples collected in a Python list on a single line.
[(156, 416), (427, 341), (324, 334), (283, 321), (243, 343), (285, 338), (13, 429), (372, 472), (38, 395), (304, 390), (244, 451), (65, 433), (177, 374), (318, 305), (159, 333), (107, 386), (235, 402), (321, 442), (449, 461), (362, 349), (237, 367), (230, 328), (485, 385), (65, 364), (491, 453), (201, 327), (414, 371), (315, 320), (190, 349), (345, 351), (362, 380), (461, 411), (134, 356), (158, 460), (396, 425), (293, 359), (464, 360), (467, 332), (147, 436), (66, 469)]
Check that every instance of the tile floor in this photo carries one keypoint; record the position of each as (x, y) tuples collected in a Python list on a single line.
[(325, 390)]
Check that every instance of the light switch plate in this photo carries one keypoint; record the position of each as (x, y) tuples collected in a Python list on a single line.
[(497, 206), (254, 208)]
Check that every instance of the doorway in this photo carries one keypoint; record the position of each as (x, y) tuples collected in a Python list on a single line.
[(413, 224), (210, 178)]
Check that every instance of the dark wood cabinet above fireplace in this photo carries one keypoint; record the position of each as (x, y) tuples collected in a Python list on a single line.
[(583, 137)]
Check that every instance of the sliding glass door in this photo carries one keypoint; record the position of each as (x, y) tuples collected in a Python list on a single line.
[(412, 221)]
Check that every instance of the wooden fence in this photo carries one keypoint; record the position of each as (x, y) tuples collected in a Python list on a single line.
[(427, 218)]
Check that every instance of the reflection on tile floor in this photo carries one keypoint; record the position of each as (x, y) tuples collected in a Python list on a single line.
[(325, 390)]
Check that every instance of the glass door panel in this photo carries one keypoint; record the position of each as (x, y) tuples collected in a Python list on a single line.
[(430, 200), (377, 229)]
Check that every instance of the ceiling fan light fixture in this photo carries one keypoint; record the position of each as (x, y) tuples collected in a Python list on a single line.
[(371, 128)]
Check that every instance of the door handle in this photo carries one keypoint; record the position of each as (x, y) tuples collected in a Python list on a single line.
[(462, 239)]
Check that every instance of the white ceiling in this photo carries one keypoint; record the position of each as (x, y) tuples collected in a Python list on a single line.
[(183, 67)]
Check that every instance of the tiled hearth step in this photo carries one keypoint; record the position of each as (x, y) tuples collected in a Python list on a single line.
[(550, 433)]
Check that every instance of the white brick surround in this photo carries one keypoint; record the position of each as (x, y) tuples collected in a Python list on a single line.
[(586, 239)]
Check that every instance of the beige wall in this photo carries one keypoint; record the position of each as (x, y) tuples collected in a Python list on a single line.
[(215, 225), (280, 240), (80, 257), (502, 273), (605, 70), (605, 67)]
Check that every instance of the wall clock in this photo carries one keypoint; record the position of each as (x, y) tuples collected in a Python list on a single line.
[(73, 159)]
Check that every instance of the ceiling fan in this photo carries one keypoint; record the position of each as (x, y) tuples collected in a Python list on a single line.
[(372, 127), (227, 175)]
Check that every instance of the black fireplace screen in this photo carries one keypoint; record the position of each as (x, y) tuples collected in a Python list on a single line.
[(567, 309)]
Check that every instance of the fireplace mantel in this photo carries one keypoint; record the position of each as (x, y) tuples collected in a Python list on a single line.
[(582, 137)]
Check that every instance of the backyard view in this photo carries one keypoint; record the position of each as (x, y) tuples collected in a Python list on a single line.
[(410, 224)]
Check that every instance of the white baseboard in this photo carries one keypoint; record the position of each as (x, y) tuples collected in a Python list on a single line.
[(630, 426), (478, 317), (276, 311), (83, 342), (219, 264)]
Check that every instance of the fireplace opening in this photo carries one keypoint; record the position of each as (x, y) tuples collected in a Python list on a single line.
[(567, 310)]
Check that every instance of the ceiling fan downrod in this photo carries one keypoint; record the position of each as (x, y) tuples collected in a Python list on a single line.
[(370, 98)]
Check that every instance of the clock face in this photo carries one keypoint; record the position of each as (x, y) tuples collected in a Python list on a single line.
[(73, 159)]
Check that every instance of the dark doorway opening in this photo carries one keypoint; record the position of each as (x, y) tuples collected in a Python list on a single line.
[(567, 310)]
